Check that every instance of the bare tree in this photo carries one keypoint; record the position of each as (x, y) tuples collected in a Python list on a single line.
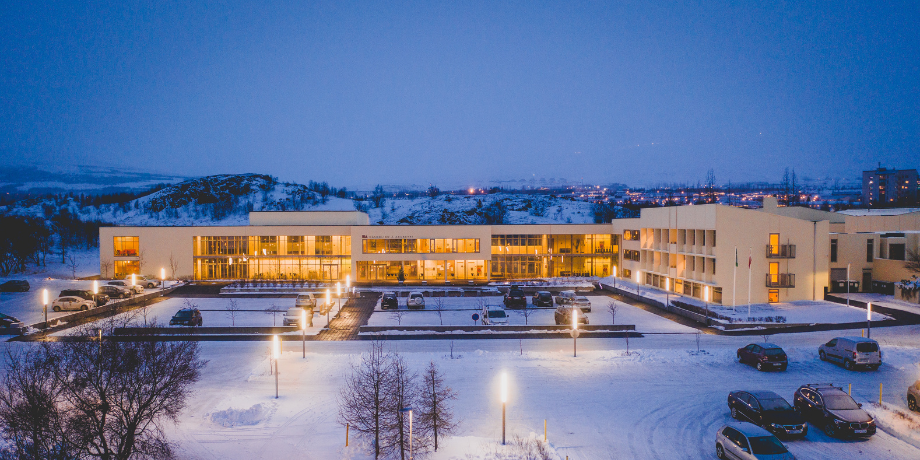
[(173, 265), (72, 263), (439, 307), (141, 261), (397, 315), (436, 417), (526, 312), (612, 307), (105, 266), (365, 396), (233, 309), (913, 261), (403, 390)]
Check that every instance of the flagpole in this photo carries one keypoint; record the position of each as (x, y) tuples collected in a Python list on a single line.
[(734, 277), (750, 260), (848, 285)]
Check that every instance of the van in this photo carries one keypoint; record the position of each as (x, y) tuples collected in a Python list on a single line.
[(852, 352)]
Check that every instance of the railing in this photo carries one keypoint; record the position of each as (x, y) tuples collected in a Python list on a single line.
[(781, 280), (783, 251)]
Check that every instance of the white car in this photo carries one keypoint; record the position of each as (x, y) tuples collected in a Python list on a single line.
[(415, 300), (137, 288), (746, 441), (305, 300), (144, 281), (494, 317), (72, 303), (293, 315), (583, 303)]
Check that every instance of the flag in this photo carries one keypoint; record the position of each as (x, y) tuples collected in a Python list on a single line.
[(750, 259), (736, 257)]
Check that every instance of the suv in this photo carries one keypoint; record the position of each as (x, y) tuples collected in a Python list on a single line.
[(305, 300), (852, 352), (542, 299), (144, 281), (136, 288), (115, 292), (389, 301), (494, 316), (15, 286), (913, 396), (833, 410), (768, 410), (746, 441), (72, 303), (515, 297), (293, 315), (99, 299), (186, 317), (764, 356), (566, 298), (415, 300), (563, 316)]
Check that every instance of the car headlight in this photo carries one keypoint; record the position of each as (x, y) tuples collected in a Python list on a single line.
[(839, 422), (775, 426)]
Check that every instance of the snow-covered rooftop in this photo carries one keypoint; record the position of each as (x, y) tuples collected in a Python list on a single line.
[(879, 212)]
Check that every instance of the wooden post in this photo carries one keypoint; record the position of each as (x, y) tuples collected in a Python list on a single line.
[(850, 390), (880, 394), (347, 426), (544, 430)]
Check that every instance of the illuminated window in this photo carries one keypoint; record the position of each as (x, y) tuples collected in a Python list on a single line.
[(124, 268), (126, 246), (773, 296)]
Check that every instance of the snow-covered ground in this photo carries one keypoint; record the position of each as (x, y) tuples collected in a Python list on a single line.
[(458, 311), (803, 311), (664, 400), (889, 301)]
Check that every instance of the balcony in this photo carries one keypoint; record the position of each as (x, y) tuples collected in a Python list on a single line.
[(783, 251), (781, 280)]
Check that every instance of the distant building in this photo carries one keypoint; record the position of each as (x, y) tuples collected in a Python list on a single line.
[(883, 188)]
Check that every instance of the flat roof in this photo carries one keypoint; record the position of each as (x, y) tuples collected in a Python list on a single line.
[(878, 212)]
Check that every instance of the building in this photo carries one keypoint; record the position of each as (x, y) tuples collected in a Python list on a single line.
[(886, 188), (874, 244), (328, 246)]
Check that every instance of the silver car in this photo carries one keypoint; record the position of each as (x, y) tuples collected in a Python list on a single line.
[(744, 441), (852, 352), (583, 303), (913, 396)]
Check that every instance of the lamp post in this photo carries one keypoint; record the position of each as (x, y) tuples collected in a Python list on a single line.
[(45, 305), (574, 331), (276, 353), (338, 295), (667, 291), (868, 320), (504, 394), (303, 330), (328, 307), (706, 291), (163, 277), (409, 410), (614, 276), (347, 284)]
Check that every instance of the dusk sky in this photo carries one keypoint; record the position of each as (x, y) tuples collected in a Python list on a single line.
[(462, 92)]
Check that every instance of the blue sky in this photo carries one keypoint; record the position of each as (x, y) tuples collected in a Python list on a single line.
[(463, 92)]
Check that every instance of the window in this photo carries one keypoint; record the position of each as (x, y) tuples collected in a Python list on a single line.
[(896, 251), (631, 255), (774, 243), (323, 246), (834, 250), (124, 268), (295, 245), (627, 273), (713, 266), (870, 250), (773, 296), (631, 235), (774, 272), (126, 246)]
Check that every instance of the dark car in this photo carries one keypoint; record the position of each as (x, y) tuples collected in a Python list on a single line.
[(563, 316), (100, 299), (768, 410), (515, 298), (542, 299), (764, 356), (186, 317), (115, 292), (389, 301), (15, 286), (833, 410)]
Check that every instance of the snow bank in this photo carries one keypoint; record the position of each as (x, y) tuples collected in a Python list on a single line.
[(239, 417)]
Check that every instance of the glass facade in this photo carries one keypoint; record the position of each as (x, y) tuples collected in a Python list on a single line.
[(422, 270), (535, 256), (124, 268), (420, 246), (126, 246), (288, 257)]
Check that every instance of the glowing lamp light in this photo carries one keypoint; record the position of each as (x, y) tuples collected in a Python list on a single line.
[(347, 282), (230, 261), (614, 270), (869, 312), (276, 347), (328, 297), (338, 289), (504, 389), (574, 318), (133, 279), (303, 320), (162, 274), (667, 284), (45, 296), (95, 287)]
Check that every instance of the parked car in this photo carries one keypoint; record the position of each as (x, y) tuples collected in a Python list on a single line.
[(833, 410), (293, 315), (99, 299), (144, 281), (583, 303), (563, 316), (389, 301), (764, 356), (913, 396), (136, 288), (852, 352), (72, 303), (494, 316), (542, 299), (744, 441), (768, 410), (115, 292), (515, 298), (186, 317), (566, 298), (7, 321), (415, 300), (15, 286), (305, 300)]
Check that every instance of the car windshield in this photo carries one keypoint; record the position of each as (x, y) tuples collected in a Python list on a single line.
[(516, 292), (766, 445), (497, 314), (184, 314), (839, 402), (775, 405), (303, 297), (545, 296), (773, 352), (867, 347)]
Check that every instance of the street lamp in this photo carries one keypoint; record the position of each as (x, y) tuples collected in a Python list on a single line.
[(303, 330), (276, 353), (869, 320), (45, 304), (504, 394), (347, 283), (706, 293), (338, 295), (133, 279), (614, 276), (667, 291), (163, 277), (328, 306), (409, 410), (574, 331)]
